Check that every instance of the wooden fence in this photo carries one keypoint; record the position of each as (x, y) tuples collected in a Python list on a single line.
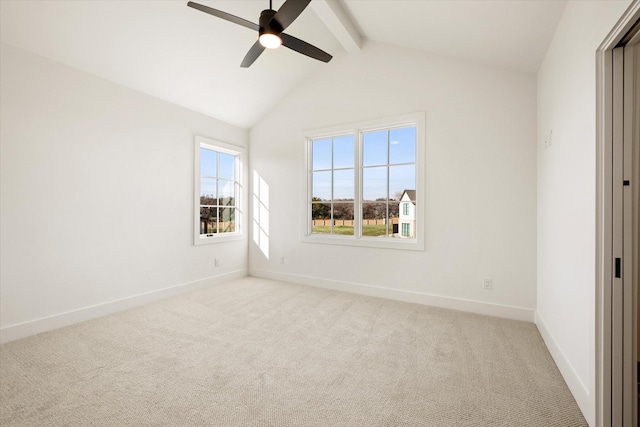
[(209, 227), (349, 222)]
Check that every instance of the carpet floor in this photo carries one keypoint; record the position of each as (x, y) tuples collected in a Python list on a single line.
[(255, 352)]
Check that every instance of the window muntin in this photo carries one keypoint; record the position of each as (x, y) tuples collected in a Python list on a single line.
[(384, 166), (218, 191)]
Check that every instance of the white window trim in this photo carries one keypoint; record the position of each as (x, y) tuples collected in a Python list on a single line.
[(414, 119), (240, 177)]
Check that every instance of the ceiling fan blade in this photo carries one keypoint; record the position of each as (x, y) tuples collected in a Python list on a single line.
[(224, 15), (289, 11), (252, 55), (304, 48)]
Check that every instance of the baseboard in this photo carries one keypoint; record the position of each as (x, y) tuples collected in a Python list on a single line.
[(578, 389), (496, 310), (33, 327)]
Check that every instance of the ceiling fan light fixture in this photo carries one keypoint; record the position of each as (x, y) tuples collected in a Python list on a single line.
[(270, 41)]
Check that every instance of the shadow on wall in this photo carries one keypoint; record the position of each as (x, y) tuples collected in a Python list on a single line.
[(261, 213)]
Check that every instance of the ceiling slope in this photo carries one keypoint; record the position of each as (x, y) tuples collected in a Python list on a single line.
[(184, 56), (508, 33), (168, 50)]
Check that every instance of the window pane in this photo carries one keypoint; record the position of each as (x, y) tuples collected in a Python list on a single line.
[(374, 219), (321, 218), (374, 184), (226, 192), (343, 185), (227, 166), (374, 149), (207, 162), (402, 145), (343, 152), (227, 220), (207, 191), (401, 178), (322, 185), (343, 218), (321, 154), (208, 220)]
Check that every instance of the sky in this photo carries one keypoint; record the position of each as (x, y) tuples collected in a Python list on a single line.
[(216, 174), (388, 158)]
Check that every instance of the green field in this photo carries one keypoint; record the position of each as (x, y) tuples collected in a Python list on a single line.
[(367, 230)]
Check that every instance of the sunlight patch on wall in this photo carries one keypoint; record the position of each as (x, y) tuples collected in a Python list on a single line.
[(261, 213)]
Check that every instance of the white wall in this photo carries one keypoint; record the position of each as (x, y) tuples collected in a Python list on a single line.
[(566, 193), (481, 180), (96, 196)]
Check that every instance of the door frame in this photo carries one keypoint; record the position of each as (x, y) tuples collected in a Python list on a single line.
[(605, 122)]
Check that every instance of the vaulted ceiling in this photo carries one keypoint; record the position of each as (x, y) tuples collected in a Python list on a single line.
[(184, 56)]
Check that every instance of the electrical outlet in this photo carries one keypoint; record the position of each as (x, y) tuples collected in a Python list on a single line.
[(487, 284), (281, 260), (216, 263)]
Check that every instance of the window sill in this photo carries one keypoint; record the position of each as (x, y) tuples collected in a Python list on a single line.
[(206, 240), (371, 242)]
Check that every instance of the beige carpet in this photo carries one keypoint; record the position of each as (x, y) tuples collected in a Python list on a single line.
[(260, 353)]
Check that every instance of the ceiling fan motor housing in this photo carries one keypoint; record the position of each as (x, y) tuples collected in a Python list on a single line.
[(268, 25)]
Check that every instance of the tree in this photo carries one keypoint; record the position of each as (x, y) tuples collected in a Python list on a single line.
[(377, 210), (320, 210), (343, 210)]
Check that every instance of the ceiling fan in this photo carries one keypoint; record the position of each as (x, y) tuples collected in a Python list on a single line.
[(270, 30)]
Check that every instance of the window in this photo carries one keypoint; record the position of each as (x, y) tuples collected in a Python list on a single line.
[(218, 194), (333, 191), (358, 177)]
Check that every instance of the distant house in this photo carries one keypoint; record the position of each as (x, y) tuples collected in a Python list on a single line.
[(407, 216)]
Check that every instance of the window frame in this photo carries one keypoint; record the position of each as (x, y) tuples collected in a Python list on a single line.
[(358, 129), (239, 182)]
